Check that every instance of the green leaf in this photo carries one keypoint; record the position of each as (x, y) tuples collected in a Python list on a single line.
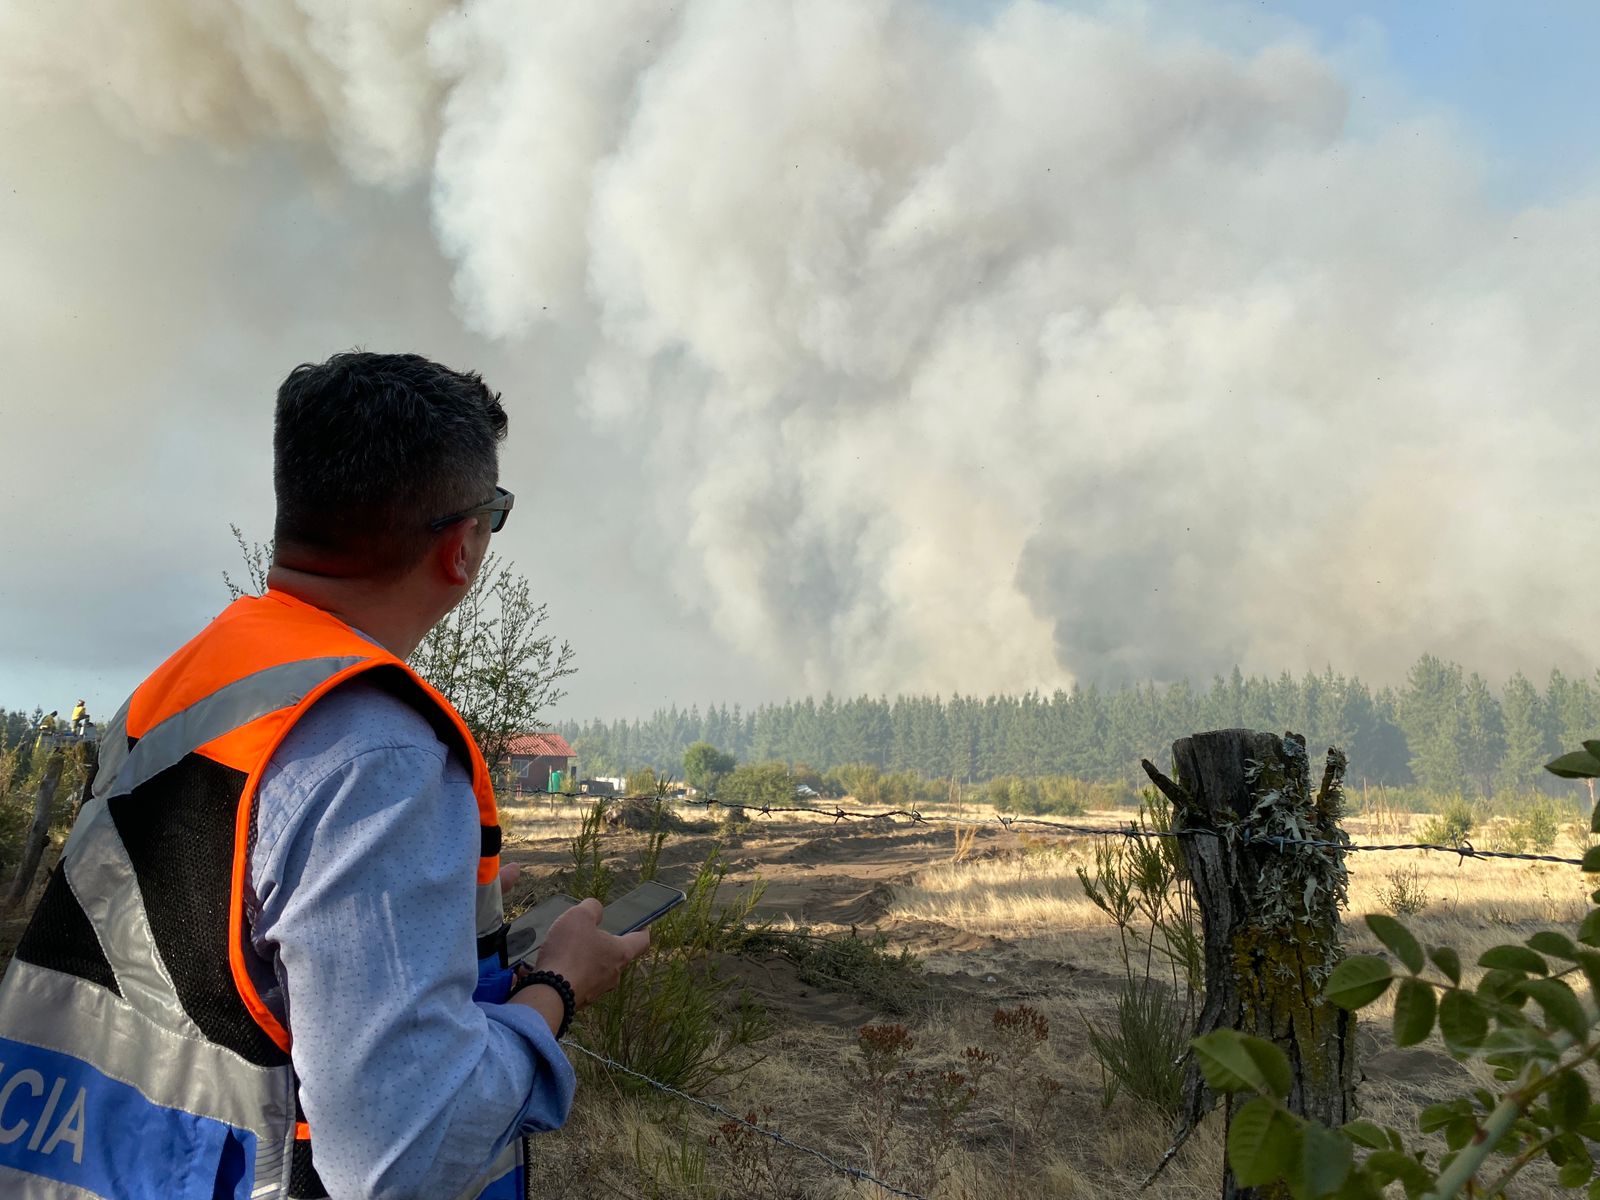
[(1449, 962), (1503, 985), (1387, 1165), (1463, 1021), (1366, 1134), (1358, 981), (1591, 857), (1323, 1162), (1437, 1116), (1589, 927), (1562, 1008), (1593, 747), (1399, 940), (1576, 1172), (1233, 1062), (1569, 1100), (1358, 1187), (1510, 1046), (1414, 1008), (1589, 961), (1514, 958), (1460, 1131), (1273, 1064), (1580, 764), (1559, 945), (1261, 1142)]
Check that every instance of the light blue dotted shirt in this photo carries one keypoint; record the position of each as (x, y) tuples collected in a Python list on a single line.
[(363, 874)]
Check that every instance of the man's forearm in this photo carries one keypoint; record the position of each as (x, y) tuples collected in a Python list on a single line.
[(545, 1001)]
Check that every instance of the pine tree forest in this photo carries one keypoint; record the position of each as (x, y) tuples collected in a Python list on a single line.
[(1444, 730)]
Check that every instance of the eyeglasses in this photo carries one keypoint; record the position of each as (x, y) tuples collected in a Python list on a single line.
[(500, 506)]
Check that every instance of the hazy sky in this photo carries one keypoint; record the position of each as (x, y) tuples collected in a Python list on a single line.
[(874, 345)]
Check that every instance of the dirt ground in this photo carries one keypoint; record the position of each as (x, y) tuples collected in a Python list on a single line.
[(996, 921), (1000, 922)]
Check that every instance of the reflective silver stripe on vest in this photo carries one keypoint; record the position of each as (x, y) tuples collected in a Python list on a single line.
[(101, 876), (491, 909), (112, 749), (16, 1186), (223, 711), (61, 1012)]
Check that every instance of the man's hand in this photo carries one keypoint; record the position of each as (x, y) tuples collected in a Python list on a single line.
[(589, 958)]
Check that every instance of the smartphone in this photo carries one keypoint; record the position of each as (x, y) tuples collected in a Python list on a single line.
[(526, 934), (639, 907), (633, 911)]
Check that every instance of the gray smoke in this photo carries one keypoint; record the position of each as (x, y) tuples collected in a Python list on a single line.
[(963, 357)]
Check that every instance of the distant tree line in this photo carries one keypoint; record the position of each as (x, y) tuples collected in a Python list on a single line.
[(1444, 729)]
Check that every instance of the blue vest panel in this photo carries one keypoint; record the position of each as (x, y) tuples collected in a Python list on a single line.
[(63, 1120)]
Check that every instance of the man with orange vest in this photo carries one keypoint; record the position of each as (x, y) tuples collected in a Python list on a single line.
[(257, 972)]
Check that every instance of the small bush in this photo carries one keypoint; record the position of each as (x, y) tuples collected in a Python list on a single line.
[(1143, 1049), (758, 784), (874, 788), (1402, 892), (863, 967), (753, 1165), (1538, 821), (1451, 826), (1053, 795), (673, 1016)]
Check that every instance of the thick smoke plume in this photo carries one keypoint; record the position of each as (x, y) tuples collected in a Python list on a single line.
[(965, 357)]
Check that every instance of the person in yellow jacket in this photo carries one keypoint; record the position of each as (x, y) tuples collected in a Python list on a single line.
[(80, 718), (271, 962)]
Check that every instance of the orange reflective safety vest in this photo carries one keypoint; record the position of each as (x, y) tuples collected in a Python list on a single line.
[(138, 1055)]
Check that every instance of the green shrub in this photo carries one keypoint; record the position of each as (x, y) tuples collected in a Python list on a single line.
[(1451, 826), (1143, 1048), (1051, 795), (673, 1016), (863, 967), (757, 785), (1538, 820), (1403, 893), (874, 788)]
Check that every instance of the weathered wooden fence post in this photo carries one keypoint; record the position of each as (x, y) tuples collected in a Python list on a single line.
[(1270, 910), (87, 756), (43, 801)]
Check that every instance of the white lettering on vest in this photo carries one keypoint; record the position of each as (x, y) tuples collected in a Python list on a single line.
[(35, 1082), (49, 1111), (70, 1130)]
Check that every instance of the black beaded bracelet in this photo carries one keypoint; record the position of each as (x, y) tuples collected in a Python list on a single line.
[(569, 1001)]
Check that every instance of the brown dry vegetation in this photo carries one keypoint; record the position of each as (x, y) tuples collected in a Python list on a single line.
[(998, 921)]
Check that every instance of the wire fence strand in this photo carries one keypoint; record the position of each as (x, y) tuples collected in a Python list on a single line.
[(713, 1106), (1463, 850)]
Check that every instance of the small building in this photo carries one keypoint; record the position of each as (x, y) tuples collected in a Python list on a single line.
[(541, 762)]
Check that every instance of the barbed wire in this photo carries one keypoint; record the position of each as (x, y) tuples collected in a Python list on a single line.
[(1464, 850), (713, 1106)]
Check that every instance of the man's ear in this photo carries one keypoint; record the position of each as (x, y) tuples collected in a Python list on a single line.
[(454, 553)]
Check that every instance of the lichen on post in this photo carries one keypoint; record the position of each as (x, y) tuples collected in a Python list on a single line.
[(1269, 906)]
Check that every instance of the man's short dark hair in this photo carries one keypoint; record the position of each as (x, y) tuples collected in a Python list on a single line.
[(367, 449)]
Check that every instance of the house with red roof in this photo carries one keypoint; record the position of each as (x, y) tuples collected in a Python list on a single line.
[(542, 762)]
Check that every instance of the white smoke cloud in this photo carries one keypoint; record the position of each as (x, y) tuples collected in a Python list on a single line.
[(966, 357)]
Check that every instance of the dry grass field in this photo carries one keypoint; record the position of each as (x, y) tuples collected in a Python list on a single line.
[(997, 920)]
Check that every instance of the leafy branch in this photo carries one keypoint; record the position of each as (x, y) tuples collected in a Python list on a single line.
[(1522, 1018)]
